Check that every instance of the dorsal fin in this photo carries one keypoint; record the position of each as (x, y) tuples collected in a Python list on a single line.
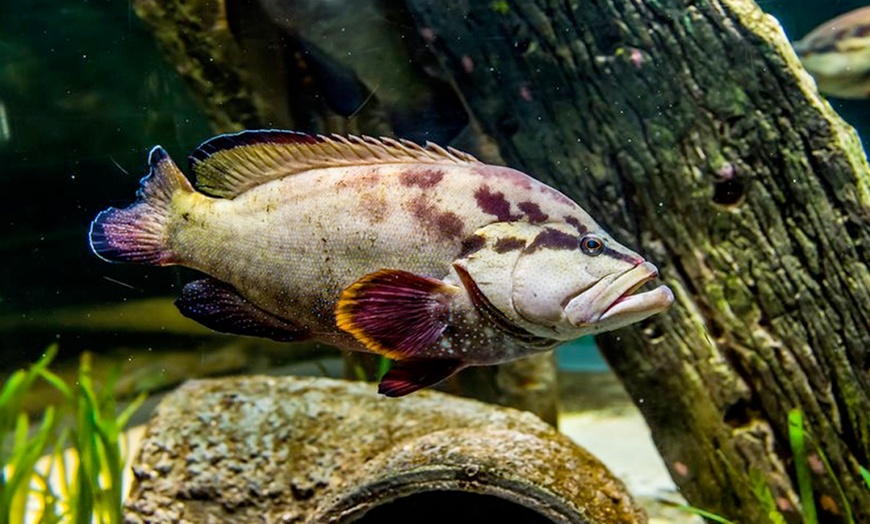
[(228, 165)]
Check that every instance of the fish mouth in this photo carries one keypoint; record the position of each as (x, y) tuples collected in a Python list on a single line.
[(615, 301)]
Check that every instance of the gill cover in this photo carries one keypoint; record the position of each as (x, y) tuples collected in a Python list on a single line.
[(492, 272)]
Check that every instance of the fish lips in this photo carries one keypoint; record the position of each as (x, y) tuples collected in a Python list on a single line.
[(614, 302)]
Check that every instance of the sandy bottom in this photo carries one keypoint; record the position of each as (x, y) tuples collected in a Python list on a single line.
[(624, 444)]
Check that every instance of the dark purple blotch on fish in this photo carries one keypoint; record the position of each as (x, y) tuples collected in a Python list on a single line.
[(422, 178), (622, 256), (494, 203), (551, 238), (472, 245), (533, 211), (503, 245), (576, 223), (445, 224)]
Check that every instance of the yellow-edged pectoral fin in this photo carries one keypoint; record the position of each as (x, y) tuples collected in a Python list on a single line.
[(395, 313)]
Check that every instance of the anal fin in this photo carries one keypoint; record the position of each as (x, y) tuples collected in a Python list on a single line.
[(407, 376), (218, 306)]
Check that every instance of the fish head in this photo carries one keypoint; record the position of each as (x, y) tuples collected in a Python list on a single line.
[(561, 284), (837, 54)]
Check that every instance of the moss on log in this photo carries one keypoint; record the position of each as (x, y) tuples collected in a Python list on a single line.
[(690, 130), (201, 47)]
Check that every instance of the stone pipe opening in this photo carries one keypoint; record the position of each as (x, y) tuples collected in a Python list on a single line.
[(455, 507), (354, 457)]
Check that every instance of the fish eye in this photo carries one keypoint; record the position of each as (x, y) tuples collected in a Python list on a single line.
[(592, 245)]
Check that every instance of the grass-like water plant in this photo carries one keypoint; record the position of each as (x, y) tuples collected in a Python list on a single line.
[(800, 441), (70, 467)]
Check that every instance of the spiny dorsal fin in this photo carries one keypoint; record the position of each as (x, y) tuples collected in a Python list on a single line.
[(228, 165)]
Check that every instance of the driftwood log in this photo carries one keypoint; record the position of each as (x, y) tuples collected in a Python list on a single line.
[(690, 130), (319, 451)]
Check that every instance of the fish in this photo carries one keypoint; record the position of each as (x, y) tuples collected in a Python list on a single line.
[(419, 253), (5, 132), (837, 54)]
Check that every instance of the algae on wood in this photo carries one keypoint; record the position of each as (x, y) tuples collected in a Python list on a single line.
[(690, 130)]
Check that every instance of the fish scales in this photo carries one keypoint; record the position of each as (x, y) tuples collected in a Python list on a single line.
[(316, 232), (423, 255)]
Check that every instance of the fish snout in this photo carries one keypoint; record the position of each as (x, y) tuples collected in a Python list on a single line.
[(615, 302)]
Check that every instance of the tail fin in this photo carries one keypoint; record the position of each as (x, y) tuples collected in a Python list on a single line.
[(139, 233)]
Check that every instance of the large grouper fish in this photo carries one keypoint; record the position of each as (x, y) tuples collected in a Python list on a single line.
[(419, 253)]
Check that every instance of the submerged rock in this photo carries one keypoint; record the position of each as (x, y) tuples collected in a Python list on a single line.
[(264, 449)]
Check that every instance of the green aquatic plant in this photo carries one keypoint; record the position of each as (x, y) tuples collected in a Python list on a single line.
[(70, 468), (704, 514), (765, 496), (18, 458), (500, 6), (799, 438), (361, 374), (384, 365)]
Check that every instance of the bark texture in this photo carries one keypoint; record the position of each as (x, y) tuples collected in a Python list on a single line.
[(690, 130)]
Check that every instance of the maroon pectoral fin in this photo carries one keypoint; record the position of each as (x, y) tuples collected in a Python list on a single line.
[(218, 306), (395, 313), (407, 376)]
